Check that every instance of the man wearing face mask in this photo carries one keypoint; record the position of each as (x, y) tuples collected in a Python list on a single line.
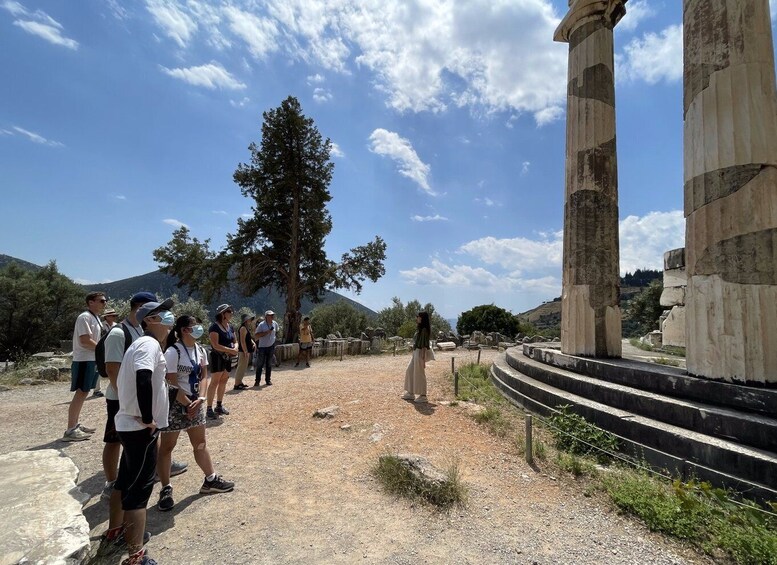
[(143, 409)]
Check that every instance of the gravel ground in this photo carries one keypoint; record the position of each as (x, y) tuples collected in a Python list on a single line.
[(304, 490)]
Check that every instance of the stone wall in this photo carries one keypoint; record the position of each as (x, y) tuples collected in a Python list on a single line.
[(672, 322)]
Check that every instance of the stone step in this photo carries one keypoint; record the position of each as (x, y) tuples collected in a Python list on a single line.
[(682, 452), (673, 382), (755, 430)]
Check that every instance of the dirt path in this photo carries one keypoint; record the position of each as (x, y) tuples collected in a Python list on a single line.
[(305, 494)]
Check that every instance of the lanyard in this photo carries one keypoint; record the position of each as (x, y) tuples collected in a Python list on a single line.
[(195, 362)]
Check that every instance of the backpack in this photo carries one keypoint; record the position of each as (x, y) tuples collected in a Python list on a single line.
[(99, 350)]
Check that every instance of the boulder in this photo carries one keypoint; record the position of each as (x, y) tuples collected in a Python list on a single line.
[(422, 470), (328, 412), (48, 373), (47, 524)]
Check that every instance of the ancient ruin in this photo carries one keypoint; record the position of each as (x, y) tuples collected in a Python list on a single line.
[(590, 311)]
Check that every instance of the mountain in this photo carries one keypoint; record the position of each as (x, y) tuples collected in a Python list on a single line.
[(6, 260), (267, 299)]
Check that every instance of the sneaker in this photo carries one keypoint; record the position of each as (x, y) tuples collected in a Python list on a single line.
[(119, 542), (267, 383), (176, 468), (421, 399), (76, 434), (83, 428), (257, 384), (307, 364), (407, 396), (216, 485), (166, 501), (107, 490), (98, 393), (212, 415), (221, 410), (144, 560), (240, 386)]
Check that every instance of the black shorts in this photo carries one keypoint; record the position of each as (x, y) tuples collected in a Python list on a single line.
[(137, 468), (111, 435), (218, 363)]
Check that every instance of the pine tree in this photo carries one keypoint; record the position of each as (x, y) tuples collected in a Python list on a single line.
[(282, 245)]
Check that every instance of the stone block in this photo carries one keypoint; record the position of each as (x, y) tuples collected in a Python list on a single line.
[(675, 278), (673, 327), (674, 259), (654, 338), (673, 296), (446, 345), (42, 505)]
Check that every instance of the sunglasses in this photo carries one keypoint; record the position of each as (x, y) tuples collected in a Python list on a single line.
[(101, 300)]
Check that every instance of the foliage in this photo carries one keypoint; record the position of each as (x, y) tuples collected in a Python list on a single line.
[(667, 361), (575, 464), (639, 344), (495, 420), (575, 435), (282, 245), (694, 511), (645, 308), (475, 385), (338, 317), (641, 277), (487, 318), (37, 309), (399, 316), (397, 479)]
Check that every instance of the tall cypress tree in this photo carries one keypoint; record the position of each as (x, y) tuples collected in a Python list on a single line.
[(282, 245)]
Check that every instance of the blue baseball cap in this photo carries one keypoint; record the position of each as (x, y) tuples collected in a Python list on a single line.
[(151, 308), (142, 298)]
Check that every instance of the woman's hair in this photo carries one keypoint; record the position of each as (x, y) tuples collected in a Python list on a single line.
[(177, 333), (424, 323)]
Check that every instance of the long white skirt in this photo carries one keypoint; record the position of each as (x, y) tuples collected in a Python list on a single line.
[(415, 375)]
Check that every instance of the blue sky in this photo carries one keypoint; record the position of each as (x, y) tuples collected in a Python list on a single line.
[(119, 121)]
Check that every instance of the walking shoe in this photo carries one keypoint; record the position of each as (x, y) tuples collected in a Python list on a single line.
[(98, 393), (119, 542), (216, 485), (176, 468), (257, 384), (296, 364), (211, 414), (83, 428), (143, 559), (421, 399), (221, 410), (166, 501), (107, 490), (267, 383), (407, 396), (76, 434), (307, 364), (240, 386)]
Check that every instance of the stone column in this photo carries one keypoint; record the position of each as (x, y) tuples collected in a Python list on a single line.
[(590, 311), (730, 150)]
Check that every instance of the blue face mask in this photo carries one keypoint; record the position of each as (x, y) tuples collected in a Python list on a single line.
[(166, 318), (197, 332)]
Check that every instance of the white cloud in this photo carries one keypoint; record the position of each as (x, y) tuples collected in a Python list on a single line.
[(36, 138), (336, 151), (211, 76), (120, 197), (5, 132), (173, 19), (518, 254), (246, 216), (486, 202), (175, 223), (39, 23), (653, 58), (221, 212), (424, 55), (643, 240), (240, 103), (636, 11), (401, 151), (525, 167), (118, 11), (321, 95), (435, 218)]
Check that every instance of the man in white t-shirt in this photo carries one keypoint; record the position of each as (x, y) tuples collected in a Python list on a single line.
[(109, 319), (143, 409), (83, 371)]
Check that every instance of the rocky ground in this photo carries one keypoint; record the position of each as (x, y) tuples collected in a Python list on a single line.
[(305, 493)]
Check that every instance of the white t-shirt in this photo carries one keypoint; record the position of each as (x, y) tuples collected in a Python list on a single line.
[(176, 356), (269, 339), (144, 353), (90, 325), (114, 350)]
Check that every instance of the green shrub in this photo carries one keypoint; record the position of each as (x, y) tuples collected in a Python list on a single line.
[(397, 479), (579, 437)]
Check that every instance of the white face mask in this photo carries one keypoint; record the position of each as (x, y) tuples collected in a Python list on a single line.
[(197, 332)]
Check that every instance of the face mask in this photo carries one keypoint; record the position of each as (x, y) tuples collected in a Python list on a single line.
[(166, 318), (197, 332)]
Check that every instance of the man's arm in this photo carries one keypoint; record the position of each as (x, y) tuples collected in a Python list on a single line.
[(113, 373), (145, 396)]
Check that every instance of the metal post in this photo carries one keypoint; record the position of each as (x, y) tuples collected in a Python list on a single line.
[(456, 384), (342, 348), (395, 349), (479, 350), (529, 449), (453, 365)]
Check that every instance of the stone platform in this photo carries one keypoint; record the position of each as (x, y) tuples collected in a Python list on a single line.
[(42, 508), (719, 432)]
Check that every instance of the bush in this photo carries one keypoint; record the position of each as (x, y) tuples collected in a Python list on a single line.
[(398, 318), (397, 479), (338, 317), (575, 435), (487, 318)]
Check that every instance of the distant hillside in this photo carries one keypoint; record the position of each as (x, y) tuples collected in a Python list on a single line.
[(7, 259), (548, 314), (267, 299)]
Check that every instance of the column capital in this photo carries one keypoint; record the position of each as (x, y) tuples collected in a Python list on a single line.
[(584, 11)]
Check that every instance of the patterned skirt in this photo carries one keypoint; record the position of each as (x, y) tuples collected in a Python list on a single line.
[(179, 421)]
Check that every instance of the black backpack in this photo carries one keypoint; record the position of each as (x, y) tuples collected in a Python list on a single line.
[(99, 350)]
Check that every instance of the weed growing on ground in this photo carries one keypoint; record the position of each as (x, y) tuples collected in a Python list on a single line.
[(397, 479), (575, 435), (577, 466), (666, 361), (698, 513), (673, 350), (494, 418), (640, 344), (475, 385)]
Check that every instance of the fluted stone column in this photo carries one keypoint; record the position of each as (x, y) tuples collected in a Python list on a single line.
[(590, 311), (730, 148)]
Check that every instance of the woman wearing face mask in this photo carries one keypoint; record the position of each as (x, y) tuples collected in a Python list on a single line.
[(187, 375), (245, 345), (223, 350)]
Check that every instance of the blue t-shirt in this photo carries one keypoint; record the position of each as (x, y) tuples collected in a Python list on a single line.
[(269, 339), (226, 338)]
